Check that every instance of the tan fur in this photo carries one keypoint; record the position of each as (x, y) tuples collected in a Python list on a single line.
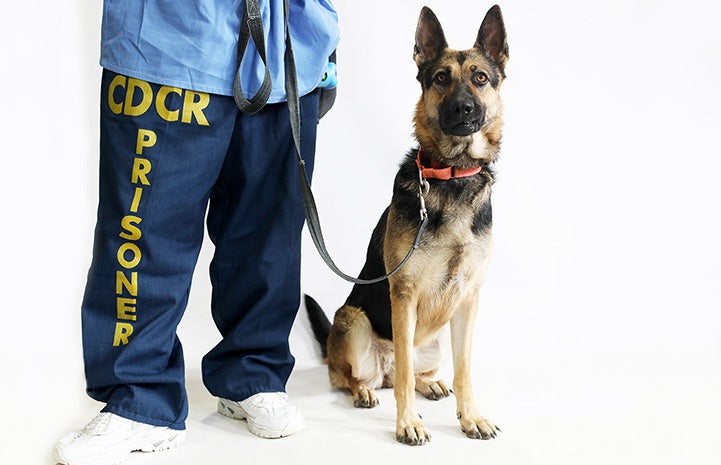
[(424, 298), (435, 295)]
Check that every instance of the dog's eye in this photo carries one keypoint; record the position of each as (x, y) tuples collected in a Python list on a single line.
[(480, 78), (441, 78)]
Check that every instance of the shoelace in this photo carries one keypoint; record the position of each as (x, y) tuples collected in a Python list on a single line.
[(96, 424), (274, 398)]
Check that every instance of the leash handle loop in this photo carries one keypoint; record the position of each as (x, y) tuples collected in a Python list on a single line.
[(253, 25)]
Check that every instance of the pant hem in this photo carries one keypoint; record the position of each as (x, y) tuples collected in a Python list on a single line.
[(244, 394), (179, 425)]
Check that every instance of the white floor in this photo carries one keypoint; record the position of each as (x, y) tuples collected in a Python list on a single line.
[(553, 408)]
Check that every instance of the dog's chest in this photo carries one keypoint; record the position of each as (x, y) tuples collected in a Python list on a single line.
[(455, 261), (445, 273)]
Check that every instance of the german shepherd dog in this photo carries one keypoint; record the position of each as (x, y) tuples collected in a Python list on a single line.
[(392, 333)]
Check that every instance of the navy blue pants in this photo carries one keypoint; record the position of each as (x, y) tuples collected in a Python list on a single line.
[(167, 156)]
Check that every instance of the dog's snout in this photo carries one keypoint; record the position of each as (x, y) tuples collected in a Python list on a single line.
[(462, 113)]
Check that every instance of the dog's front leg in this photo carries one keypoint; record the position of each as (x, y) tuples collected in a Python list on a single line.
[(474, 425), (409, 427)]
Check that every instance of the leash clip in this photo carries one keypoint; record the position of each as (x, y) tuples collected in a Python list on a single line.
[(423, 188), (424, 212)]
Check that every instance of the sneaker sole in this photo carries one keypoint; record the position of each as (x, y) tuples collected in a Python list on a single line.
[(152, 445)]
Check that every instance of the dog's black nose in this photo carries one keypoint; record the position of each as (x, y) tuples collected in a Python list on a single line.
[(466, 107)]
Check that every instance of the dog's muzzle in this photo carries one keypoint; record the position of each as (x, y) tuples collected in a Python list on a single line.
[(461, 114)]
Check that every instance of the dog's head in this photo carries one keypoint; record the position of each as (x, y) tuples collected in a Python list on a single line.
[(458, 117)]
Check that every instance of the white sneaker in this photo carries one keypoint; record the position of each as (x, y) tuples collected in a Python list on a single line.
[(269, 414), (109, 439)]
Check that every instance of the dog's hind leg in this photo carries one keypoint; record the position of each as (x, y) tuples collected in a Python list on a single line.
[(433, 389), (363, 396), (426, 362), (353, 356)]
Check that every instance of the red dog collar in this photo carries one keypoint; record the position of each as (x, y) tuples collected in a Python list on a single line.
[(445, 173)]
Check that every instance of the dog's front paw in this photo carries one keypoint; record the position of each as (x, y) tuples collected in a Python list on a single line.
[(479, 428), (413, 434)]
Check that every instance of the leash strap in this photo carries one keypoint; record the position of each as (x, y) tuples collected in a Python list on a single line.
[(291, 90), (252, 26)]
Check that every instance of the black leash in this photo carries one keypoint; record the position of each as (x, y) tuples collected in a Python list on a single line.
[(252, 26)]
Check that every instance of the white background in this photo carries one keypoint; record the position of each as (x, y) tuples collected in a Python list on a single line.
[(599, 336)]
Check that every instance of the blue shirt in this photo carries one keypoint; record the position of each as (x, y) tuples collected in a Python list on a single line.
[(193, 44)]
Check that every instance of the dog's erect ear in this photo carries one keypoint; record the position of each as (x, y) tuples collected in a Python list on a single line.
[(492, 37), (430, 41)]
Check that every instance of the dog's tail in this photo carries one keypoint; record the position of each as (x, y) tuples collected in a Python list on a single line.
[(319, 323)]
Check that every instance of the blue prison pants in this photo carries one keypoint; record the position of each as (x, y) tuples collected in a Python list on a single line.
[(168, 155)]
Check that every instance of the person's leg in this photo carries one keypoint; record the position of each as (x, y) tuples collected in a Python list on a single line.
[(255, 220), (161, 151), (157, 168)]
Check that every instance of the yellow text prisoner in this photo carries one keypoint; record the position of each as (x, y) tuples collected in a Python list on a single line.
[(129, 254)]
